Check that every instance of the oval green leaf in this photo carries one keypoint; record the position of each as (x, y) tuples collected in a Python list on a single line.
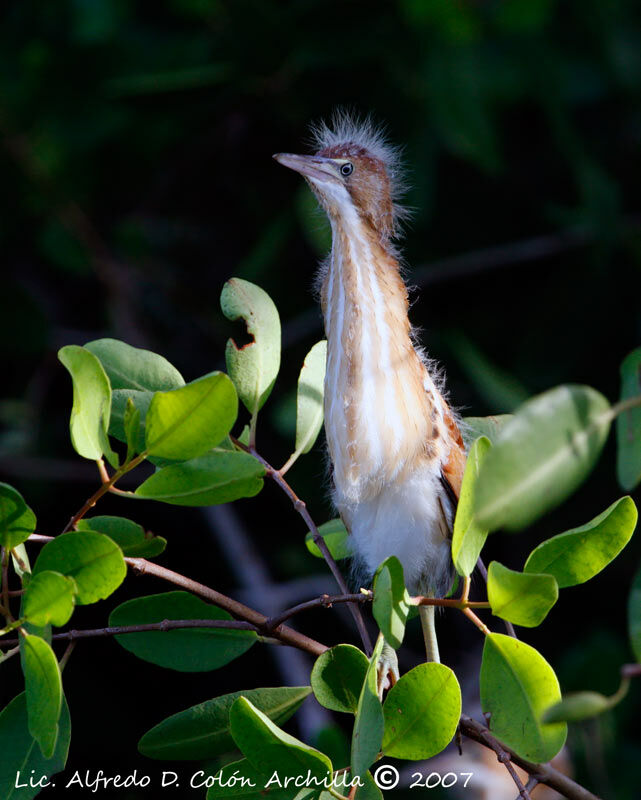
[(269, 749), (490, 427), (92, 559), (338, 676), (421, 712), (218, 477), (368, 725), (131, 435), (469, 537), (128, 535), (21, 754), (187, 422), (202, 731), (17, 520), (579, 554), (185, 649), (43, 687), (628, 424), (133, 368), (91, 409), (336, 538), (253, 368), (49, 599), (541, 455), (391, 601), (241, 779), (309, 397), (521, 598), (577, 706), (517, 685)]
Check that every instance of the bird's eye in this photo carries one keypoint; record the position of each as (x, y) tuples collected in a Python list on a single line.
[(347, 169)]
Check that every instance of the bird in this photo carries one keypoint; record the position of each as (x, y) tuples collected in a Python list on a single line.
[(395, 446)]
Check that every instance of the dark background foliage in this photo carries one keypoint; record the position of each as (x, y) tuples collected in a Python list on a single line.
[(137, 177)]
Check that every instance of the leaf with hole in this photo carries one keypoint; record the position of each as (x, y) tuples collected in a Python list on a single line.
[(185, 649), (336, 538), (202, 731), (421, 712), (469, 537), (187, 422), (519, 597), (270, 750), (391, 601), (517, 685), (49, 599), (17, 520), (219, 477), (367, 734), (338, 676), (541, 456), (21, 755), (254, 366), (92, 559), (128, 535), (91, 409), (579, 554), (309, 398), (43, 687), (628, 424)]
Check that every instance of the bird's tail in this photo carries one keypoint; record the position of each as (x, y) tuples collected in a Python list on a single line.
[(427, 614)]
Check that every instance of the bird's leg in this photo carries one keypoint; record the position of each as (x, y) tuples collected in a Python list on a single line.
[(387, 669), (427, 614)]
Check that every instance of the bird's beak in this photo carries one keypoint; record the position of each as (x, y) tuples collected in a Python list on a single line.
[(315, 167)]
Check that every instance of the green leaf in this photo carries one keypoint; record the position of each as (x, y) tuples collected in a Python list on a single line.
[(133, 368), (17, 520), (253, 368), (43, 686), (336, 538), (185, 649), (521, 598), (20, 751), (309, 398), (218, 477), (391, 601), (517, 685), (368, 725), (269, 749), (131, 427), (187, 422), (91, 410), (92, 559), (49, 599), (540, 457), (576, 707), (469, 537), (202, 731), (421, 712), (132, 437), (491, 427), (629, 424), (338, 676), (129, 536), (634, 616), (579, 554), (241, 779)]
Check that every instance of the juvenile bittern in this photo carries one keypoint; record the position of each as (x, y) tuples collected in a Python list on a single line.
[(395, 446)]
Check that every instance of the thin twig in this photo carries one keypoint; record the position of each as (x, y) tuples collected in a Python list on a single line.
[(301, 507), (324, 601), (504, 758), (67, 653), (544, 773)]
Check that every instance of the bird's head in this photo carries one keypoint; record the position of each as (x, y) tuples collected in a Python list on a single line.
[(352, 170)]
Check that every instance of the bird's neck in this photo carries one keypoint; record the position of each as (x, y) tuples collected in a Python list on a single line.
[(381, 406)]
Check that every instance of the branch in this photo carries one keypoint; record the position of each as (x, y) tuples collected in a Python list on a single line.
[(324, 601), (543, 773), (301, 507)]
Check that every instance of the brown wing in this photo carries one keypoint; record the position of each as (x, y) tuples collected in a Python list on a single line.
[(455, 465)]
